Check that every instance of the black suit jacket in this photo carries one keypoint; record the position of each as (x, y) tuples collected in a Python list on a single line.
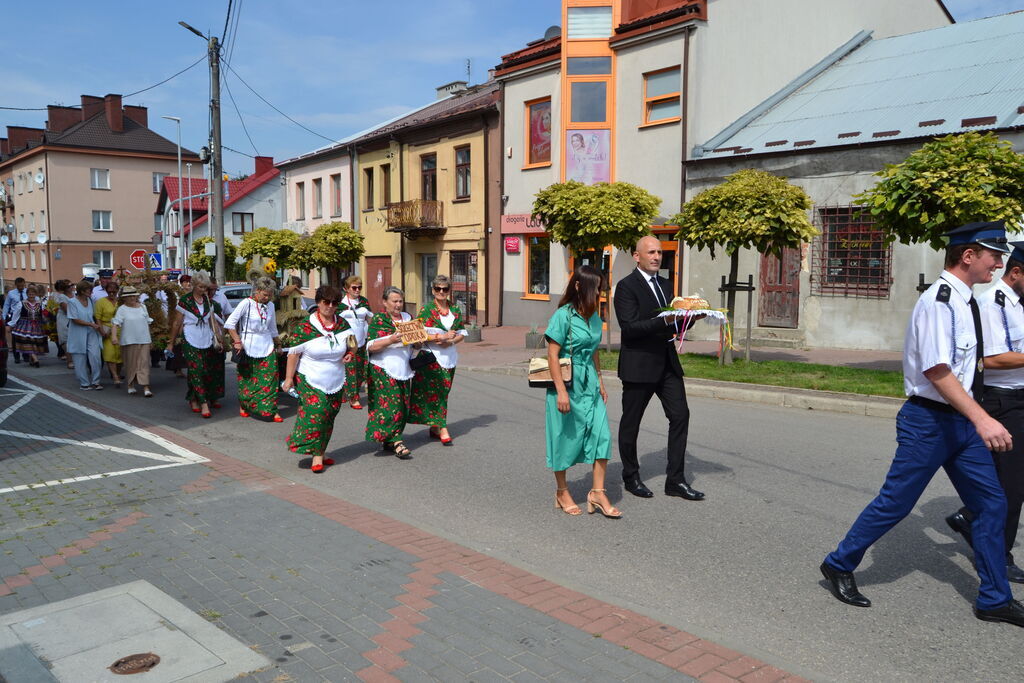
[(646, 352)]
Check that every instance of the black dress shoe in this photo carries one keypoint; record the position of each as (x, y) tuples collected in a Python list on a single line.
[(1011, 613), (1014, 573), (959, 523), (637, 488), (844, 587), (683, 490)]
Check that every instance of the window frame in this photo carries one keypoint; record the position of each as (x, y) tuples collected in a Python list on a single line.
[(318, 197), (527, 130), (243, 214), (527, 248), (835, 222), (466, 167), (335, 194), (110, 220), (385, 185), (93, 177), (649, 102), (428, 173), (100, 262), (158, 181), (300, 201), (369, 200)]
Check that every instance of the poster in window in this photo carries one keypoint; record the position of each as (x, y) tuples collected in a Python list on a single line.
[(587, 156), (540, 132)]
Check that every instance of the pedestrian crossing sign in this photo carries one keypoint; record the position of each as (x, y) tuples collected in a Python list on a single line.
[(156, 261)]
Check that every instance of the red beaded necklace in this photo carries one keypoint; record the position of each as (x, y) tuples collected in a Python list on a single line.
[(324, 322)]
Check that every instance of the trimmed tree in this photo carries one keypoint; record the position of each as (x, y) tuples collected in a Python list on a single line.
[(751, 209), (272, 245), (948, 182), (332, 245), (588, 217), (198, 260)]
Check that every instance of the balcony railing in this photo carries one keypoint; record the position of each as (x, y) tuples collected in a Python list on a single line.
[(416, 215)]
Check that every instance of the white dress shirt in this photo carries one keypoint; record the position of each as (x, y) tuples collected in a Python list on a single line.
[(394, 359), (258, 327), (320, 359), (940, 333), (357, 318), (447, 356), (199, 331), (1002, 327)]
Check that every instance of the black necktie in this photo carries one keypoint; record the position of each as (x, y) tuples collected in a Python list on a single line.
[(978, 384), (659, 295)]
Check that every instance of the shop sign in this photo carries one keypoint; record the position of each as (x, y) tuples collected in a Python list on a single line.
[(513, 245), (522, 224)]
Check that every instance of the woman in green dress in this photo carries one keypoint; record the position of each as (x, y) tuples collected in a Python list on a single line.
[(318, 349), (253, 329), (432, 384), (387, 385), (575, 417), (199, 319), (355, 309)]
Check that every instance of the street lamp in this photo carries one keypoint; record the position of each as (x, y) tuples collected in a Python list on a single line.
[(177, 121)]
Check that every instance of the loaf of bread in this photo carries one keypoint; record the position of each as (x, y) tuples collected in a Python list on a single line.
[(690, 303)]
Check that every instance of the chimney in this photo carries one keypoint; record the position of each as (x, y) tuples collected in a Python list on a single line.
[(115, 115), (451, 88), (59, 119), (21, 136), (139, 115), (263, 164), (5, 147), (91, 106)]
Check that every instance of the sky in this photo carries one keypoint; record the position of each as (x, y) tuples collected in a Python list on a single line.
[(335, 66)]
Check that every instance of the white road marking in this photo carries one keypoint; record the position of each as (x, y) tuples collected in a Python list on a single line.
[(93, 444), (10, 411), (88, 477)]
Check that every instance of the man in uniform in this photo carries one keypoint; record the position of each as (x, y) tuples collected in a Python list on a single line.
[(100, 290), (941, 425), (1002, 326)]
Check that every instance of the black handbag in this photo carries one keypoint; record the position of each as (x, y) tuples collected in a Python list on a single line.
[(422, 359), (239, 356)]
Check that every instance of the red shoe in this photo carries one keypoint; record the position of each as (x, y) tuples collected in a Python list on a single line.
[(447, 441), (195, 409), (207, 414), (293, 449), (356, 405), (317, 469), (328, 461), (242, 413), (278, 418)]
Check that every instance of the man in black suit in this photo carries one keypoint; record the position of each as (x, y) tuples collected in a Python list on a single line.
[(649, 365)]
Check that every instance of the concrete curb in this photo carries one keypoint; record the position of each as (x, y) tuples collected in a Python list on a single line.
[(787, 397)]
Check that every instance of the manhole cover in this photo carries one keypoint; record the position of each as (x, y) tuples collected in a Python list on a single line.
[(135, 664)]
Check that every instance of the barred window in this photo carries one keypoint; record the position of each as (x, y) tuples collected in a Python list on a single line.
[(850, 257)]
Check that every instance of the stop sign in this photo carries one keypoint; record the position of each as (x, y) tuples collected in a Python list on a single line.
[(138, 259)]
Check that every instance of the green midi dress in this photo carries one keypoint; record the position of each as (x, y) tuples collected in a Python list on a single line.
[(582, 435)]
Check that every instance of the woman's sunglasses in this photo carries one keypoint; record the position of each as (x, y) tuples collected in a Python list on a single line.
[(356, 287), (442, 289)]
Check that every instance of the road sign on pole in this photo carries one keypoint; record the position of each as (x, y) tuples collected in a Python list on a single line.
[(156, 261), (138, 259)]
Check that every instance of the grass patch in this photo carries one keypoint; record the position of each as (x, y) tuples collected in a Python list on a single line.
[(781, 373)]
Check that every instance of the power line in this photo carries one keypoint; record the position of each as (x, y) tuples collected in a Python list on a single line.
[(223, 146), (131, 94), (229, 52), (227, 21), (275, 108), (240, 119)]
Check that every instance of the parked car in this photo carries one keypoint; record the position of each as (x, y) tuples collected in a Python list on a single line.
[(236, 291), (3, 352)]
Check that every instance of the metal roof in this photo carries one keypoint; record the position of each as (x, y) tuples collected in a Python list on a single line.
[(951, 79)]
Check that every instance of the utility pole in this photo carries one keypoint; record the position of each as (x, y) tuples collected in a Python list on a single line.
[(217, 181)]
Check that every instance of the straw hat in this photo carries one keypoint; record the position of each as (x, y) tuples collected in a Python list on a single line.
[(127, 291)]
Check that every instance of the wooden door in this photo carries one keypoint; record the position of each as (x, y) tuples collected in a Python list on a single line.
[(376, 280), (778, 303)]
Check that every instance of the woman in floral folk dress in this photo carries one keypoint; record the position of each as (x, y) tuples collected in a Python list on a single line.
[(199, 318), (355, 309), (253, 329), (388, 379), (318, 349), (27, 327), (432, 384)]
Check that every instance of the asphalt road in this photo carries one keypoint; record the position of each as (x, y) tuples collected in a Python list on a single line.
[(740, 568)]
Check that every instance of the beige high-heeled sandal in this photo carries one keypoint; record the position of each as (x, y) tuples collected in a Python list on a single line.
[(573, 509), (611, 513)]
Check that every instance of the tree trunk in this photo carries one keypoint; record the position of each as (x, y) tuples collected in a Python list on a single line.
[(730, 301)]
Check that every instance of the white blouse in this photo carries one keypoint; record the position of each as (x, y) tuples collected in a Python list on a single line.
[(134, 323), (394, 359), (320, 359), (198, 332), (357, 319), (257, 326)]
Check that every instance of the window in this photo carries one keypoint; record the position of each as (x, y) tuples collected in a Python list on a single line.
[(21, 185), (31, 258), (588, 66), (304, 278), (32, 221), (99, 178), (42, 221), (428, 271), (428, 176), (587, 23), (158, 181), (462, 175), (241, 223), (661, 96), (158, 222), (367, 189), (589, 102), (538, 125), (29, 181), (850, 258), (103, 259), (385, 185), (101, 221), (42, 259), (318, 197), (300, 201), (21, 257), (336, 194), (538, 266)]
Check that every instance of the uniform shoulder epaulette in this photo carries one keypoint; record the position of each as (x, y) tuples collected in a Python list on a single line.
[(944, 293), (1001, 299)]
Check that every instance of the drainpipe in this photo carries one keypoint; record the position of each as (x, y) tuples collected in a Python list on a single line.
[(501, 199), (353, 168), (401, 198), (684, 147), (49, 226), (486, 221)]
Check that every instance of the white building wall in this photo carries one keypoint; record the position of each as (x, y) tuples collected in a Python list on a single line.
[(307, 172)]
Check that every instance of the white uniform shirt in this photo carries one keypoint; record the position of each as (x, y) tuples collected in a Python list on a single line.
[(258, 327), (320, 359), (98, 292), (940, 333), (1002, 327), (394, 359)]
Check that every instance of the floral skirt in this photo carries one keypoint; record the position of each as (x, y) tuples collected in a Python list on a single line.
[(388, 402), (355, 371), (429, 402), (205, 373), (257, 386), (28, 336), (314, 421)]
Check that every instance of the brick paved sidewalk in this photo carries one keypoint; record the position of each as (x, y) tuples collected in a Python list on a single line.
[(326, 589)]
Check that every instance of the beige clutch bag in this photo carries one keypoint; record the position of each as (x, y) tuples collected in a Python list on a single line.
[(539, 374)]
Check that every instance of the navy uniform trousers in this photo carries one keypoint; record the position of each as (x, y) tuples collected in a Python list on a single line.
[(930, 436)]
